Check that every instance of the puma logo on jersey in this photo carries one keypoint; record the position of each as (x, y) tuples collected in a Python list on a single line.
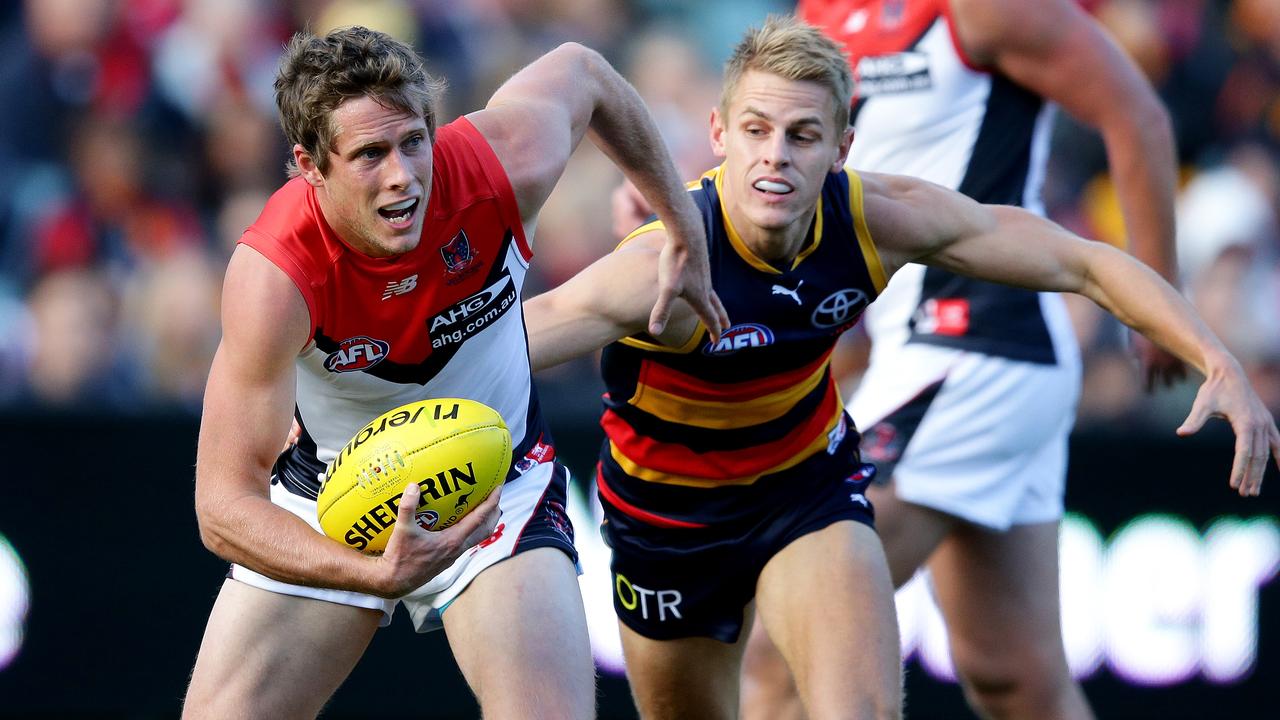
[(793, 294), (401, 287)]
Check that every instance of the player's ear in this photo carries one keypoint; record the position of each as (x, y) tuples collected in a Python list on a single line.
[(846, 142), (307, 167), (717, 132)]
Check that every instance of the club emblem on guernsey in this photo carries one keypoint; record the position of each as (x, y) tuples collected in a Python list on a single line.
[(457, 253), (355, 354)]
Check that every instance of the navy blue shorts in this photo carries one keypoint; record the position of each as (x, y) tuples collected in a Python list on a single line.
[(678, 582)]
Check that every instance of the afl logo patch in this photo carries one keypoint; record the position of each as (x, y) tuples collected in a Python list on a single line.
[(740, 337), (839, 308), (358, 353)]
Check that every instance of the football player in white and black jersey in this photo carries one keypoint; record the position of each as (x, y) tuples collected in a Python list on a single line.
[(388, 270), (971, 390), (730, 476)]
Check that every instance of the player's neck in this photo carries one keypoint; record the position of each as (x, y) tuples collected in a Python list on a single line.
[(776, 246)]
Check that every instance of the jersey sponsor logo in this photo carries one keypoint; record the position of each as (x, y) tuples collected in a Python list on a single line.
[(890, 74), (740, 337), (400, 287), (662, 604), (468, 316), (947, 316), (840, 308), (882, 444), (793, 294), (357, 353)]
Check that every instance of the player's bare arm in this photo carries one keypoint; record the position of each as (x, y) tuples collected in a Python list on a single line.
[(916, 221), (536, 120), (1057, 51), (607, 301), (247, 415)]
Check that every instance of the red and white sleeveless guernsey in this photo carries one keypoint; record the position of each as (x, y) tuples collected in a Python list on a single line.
[(443, 320)]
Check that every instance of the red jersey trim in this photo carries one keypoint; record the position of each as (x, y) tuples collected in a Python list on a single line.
[(969, 62), (501, 184), (608, 495), (654, 375), (651, 457)]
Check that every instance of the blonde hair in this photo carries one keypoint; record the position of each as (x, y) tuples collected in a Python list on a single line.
[(793, 50), (317, 74)]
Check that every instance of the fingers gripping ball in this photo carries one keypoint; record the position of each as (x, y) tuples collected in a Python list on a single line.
[(457, 451)]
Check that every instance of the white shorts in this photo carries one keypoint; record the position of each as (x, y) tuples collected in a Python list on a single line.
[(532, 514), (978, 437)]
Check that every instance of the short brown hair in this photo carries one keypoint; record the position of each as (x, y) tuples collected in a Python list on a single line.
[(318, 73), (794, 50)]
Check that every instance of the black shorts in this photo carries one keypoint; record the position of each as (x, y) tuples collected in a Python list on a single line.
[(672, 583)]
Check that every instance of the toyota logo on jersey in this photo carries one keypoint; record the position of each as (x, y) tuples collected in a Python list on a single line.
[(355, 354), (839, 308)]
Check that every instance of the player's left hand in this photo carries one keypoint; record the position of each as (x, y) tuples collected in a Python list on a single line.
[(1160, 368), (1227, 394), (685, 272)]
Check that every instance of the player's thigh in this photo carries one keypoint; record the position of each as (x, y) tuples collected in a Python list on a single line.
[(827, 601), (768, 690), (909, 532), (271, 655), (695, 677), (519, 634), (999, 594)]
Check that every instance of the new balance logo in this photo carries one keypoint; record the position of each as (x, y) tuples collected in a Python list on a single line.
[(400, 288), (793, 294)]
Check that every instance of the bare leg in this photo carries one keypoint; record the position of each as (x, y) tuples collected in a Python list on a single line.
[(827, 602), (266, 655), (999, 595), (685, 678), (909, 534), (519, 634)]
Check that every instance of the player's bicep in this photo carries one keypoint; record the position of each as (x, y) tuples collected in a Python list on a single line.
[(607, 301), (249, 398), (535, 120), (1058, 52)]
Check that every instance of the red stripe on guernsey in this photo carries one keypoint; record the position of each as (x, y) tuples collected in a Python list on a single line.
[(660, 377), (630, 510), (871, 28), (676, 459)]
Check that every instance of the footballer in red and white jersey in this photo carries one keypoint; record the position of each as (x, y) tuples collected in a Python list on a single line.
[(442, 320)]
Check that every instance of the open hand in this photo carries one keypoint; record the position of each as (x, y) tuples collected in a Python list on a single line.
[(1228, 395)]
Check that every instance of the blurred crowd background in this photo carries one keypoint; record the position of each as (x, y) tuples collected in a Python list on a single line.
[(138, 139)]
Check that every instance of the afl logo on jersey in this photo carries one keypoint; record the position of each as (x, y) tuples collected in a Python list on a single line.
[(840, 308), (740, 337), (358, 353)]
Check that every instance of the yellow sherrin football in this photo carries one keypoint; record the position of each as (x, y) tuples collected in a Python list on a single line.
[(457, 451)]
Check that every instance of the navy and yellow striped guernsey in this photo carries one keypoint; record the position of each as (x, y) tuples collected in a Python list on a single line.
[(706, 433)]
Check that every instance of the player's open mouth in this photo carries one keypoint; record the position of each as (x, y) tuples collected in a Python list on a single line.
[(772, 187), (399, 213)]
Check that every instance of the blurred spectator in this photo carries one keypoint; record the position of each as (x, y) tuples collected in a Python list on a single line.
[(139, 140)]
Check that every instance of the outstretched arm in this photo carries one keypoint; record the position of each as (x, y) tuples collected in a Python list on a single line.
[(536, 120), (916, 221), (1053, 48), (251, 386), (607, 301)]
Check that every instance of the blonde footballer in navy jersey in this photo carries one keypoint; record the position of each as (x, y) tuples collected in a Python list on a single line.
[(815, 567)]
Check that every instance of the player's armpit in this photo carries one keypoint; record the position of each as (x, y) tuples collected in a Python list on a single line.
[(609, 300)]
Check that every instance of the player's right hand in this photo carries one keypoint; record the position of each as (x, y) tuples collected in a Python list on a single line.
[(414, 555), (1227, 394)]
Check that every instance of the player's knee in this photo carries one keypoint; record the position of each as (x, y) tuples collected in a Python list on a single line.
[(1005, 687)]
